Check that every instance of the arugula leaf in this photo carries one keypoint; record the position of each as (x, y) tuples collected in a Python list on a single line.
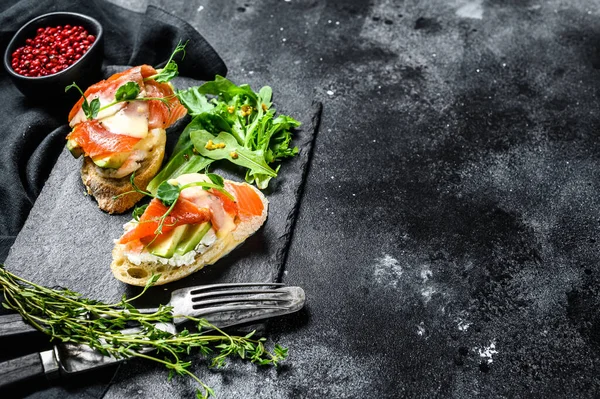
[(261, 180), (277, 140), (232, 151), (185, 161), (264, 95), (209, 122), (195, 102), (216, 179), (128, 91), (226, 90)]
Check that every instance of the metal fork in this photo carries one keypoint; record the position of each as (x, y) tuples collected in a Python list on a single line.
[(223, 305), (234, 303)]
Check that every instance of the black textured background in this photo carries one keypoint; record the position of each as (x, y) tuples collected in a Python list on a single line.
[(447, 238)]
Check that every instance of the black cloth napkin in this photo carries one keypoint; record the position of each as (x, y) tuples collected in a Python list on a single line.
[(33, 135)]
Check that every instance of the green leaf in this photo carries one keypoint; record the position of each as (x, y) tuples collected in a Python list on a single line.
[(186, 161), (94, 108), (167, 193), (265, 94), (153, 280), (232, 151), (226, 90), (280, 351), (90, 111), (138, 211), (211, 123), (195, 102), (171, 69), (260, 179), (241, 353), (216, 179), (127, 92)]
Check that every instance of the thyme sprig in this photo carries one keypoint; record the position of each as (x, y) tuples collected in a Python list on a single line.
[(68, 317)]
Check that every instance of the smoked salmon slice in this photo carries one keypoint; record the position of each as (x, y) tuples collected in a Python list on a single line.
[(95, 140), (248, 201), (184, 212), (161, 114), (229, 206), (107, 88)]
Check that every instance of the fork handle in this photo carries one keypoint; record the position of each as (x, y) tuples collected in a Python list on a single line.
[(13, 324)]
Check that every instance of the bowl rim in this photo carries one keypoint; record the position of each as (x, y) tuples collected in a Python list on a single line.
[(18, 34)]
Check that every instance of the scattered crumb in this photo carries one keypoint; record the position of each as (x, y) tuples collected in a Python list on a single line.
[(486, 353)]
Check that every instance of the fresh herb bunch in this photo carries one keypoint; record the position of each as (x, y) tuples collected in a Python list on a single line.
[(68, 317), (233, 123)]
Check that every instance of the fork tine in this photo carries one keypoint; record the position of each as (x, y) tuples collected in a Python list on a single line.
[(264, 298), (210, 294), (209, 287)]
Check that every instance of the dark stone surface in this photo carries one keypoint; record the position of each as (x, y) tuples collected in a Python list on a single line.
[(447, 237)]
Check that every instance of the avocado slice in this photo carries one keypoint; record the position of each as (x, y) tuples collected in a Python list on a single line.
[(165, 246), (112, 161), (192, 237), (75, 149)]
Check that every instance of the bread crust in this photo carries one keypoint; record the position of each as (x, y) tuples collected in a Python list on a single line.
[(104, 188), (139, 275)]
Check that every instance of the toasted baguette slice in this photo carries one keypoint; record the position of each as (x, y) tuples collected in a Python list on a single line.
[(139, 275), (101, 184)]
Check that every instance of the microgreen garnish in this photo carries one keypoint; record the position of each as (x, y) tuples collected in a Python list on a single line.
[(67, 316), (170, 70), (89, 109), (128, 91), (138, 211), (168, 193)]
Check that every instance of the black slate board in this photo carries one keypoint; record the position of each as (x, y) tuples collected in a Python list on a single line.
[(67, 241)]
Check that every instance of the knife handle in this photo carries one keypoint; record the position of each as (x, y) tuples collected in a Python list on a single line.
[(13, 324), (20, 369)]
